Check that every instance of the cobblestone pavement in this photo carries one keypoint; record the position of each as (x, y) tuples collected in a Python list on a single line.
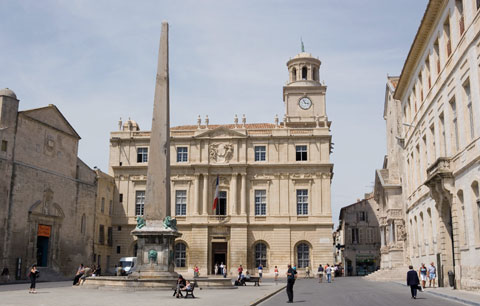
[(355, 291), (63, 294)]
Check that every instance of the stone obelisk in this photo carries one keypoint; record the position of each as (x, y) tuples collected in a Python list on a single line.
[(156, 232)]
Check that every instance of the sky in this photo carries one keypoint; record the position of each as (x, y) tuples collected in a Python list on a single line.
[(96, 61)]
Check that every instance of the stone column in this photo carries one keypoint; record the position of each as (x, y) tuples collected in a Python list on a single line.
[(243, 195), (205, 195), (196, 199), (326, 209), (233, 187)]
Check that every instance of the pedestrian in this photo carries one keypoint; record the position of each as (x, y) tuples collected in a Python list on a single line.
[(307, 272), (260, 272), (225, 271), (240, 271), (432, 274), (291, 276), (5, 274), (222, 267), (320, 273), (33, 274), (216, 268), (328, 270), (276, 274), (196, 272), (423, 275), (413, 281)]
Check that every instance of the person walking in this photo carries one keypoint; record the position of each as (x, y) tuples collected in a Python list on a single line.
[(413, 281), (307, 272), (33, 274), (260, 273), (196, 272), (291, 276), (423, 275), (320, 273), (432, 274), (275, 271), (328, 270), (225, 271), (221, 268), (216, 268)]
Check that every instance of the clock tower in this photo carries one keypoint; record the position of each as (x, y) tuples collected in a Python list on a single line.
[(304, 95)]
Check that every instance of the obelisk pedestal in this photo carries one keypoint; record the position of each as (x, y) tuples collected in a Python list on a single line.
[(156, 232)]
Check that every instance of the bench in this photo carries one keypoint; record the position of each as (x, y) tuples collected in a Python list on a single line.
[(253, 279), (190, 291)]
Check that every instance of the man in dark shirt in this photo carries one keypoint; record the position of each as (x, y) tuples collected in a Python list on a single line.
[(413, 281), (291, 276)]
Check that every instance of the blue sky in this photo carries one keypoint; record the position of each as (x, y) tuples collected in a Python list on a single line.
[(96, 61)]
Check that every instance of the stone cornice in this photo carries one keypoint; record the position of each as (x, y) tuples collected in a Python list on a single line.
[(419, 44)]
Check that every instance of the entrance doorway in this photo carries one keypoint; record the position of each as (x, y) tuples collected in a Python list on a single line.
[(219, 255), (42, 251), (43, 237)]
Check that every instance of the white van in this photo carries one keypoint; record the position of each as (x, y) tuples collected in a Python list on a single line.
[(128, 264)]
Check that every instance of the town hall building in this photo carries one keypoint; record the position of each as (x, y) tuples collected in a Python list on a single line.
[(274, 183)]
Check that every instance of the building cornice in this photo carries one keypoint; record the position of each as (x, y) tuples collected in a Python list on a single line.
[(419, 44)]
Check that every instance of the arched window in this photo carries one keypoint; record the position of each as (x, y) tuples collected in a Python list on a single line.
[(294, 74), (260, 254), (315, 74), (180, 255), (430, 229), (83, 224), (303, 255), (422, 233), (476, 205), (304, 73)]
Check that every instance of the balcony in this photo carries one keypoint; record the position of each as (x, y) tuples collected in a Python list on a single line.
[(218, 219), (441, 167)]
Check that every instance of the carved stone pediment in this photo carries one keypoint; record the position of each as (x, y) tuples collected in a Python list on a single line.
[(220, 132), (220, 152)]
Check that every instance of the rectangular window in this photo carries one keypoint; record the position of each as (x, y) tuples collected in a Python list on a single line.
[(139, 203), (446, 29), (355, 237), (119, 228), (436, 51), (468, 98), (120, 198), (431, 149), (260, 153), (110, 236), (453, 106), (110, 207), (260, 202), (4, 145), (461, 21), (181, 202), (222, 204), (301, 153), (182, 154), (361, 216), (119, 249), (302, 202), (142, 155), (101, 235), (102, 207), (443, 136)]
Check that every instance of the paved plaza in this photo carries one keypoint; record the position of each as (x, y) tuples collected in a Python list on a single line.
[(343, 292), (356, 291)]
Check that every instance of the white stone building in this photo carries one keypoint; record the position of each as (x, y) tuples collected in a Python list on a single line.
[(439, 92), (274, 181)]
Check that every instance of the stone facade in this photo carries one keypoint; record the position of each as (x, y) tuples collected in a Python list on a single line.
[(47, 193), (388, 186), (358, 237), (439, 95), (273, 180), (103, 233)]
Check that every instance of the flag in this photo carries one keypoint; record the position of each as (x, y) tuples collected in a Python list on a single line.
[(215, 199)]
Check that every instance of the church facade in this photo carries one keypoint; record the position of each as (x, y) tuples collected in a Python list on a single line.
[(273, 182)]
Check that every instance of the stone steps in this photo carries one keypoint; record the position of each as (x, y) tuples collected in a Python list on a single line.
[(394, 274)]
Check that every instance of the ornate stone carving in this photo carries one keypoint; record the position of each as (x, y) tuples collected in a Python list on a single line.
[(401, 233), (220, 152), (169, 223), (152, 256), (140, 222)]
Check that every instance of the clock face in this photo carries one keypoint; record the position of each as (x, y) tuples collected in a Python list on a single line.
[(305, 103)]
